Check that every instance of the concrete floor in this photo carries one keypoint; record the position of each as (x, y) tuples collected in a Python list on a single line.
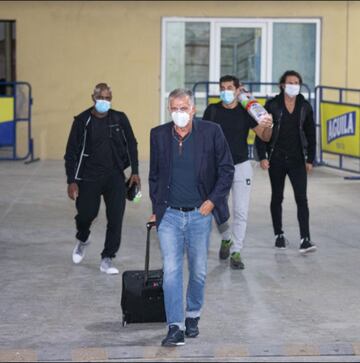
[(282, 307)]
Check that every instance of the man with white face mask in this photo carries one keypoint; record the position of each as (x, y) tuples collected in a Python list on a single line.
[(191, 172), (101, 145), (291, 151)]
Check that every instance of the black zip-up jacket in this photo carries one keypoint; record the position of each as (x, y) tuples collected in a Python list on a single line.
[(306, 126), (123, 144)]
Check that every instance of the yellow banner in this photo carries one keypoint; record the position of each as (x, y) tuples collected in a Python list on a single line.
[(251, 137), (6, 109), (340, 129)]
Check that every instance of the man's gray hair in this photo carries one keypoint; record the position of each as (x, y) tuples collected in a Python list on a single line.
[(180, 93), (100, 87)]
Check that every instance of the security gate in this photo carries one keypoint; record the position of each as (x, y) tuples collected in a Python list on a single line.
[(16, 142)]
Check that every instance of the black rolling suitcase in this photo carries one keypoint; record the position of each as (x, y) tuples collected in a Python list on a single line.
[(142, 297)]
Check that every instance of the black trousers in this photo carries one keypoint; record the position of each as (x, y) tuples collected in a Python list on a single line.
[(296, 170), (112, 188)]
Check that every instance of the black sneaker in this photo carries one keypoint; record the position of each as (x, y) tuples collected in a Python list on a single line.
[(224, 251), (174, 337), (192, 329), (281, 242), (236, 262), (306, 246)]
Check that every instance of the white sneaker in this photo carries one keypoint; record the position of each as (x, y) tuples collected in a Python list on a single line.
[(107, 266), (79, 251)]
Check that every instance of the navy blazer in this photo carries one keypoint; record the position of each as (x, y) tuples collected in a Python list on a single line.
[(213, 163)]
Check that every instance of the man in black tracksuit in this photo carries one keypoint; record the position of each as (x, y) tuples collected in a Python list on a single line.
[(101, 145), (290, 151)]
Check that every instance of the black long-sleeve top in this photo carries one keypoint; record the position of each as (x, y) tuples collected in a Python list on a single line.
[(81, 144), (305, 133)]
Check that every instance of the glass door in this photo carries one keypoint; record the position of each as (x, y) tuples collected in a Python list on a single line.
[(240, 50)]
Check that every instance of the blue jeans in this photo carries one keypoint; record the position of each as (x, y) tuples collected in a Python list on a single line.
[(179, 232)]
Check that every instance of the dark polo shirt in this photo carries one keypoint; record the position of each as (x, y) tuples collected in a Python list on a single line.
[(183, 185)]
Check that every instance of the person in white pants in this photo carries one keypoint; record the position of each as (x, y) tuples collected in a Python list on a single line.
[(236, 123)]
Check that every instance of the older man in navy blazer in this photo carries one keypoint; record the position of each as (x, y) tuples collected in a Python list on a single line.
[(191, 173)]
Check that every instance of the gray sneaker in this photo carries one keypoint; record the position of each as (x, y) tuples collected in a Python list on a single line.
[(108, 267), (79, 251)]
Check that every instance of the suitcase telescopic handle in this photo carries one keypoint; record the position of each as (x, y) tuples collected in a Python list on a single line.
[(149, 225)]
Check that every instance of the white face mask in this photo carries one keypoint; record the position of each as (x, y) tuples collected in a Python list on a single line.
[(292, 90), (181, 119)]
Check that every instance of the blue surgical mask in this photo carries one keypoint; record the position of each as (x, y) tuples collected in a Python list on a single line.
[(227, 96), (102, 106)]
